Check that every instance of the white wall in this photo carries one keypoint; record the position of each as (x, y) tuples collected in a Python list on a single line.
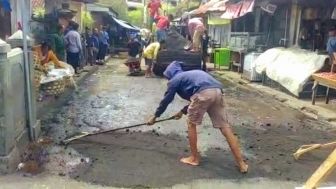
[(16, 15)]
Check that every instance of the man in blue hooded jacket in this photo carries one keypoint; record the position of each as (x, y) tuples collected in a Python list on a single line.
[(205, 95)]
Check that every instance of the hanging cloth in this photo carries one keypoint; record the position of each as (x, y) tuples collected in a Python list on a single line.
[(333, 14)]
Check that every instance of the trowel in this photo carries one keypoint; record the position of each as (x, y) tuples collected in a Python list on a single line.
[(85, 134)]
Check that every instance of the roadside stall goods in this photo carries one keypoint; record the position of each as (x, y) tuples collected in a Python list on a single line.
[(52, 81), (291, 68)]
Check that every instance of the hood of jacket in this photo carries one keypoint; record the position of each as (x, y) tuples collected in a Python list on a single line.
[(173, 69)]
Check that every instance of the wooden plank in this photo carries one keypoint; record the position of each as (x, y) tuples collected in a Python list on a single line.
[(322, 172), (315, 87), (325, 79)]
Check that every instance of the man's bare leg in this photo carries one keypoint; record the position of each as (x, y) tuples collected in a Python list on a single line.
[(148, 71), (234, 146), (194, 159)]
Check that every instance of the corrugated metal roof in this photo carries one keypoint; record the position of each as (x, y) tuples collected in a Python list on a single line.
[(86, 1)]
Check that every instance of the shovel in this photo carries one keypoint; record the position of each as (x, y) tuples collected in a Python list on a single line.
[(85, 134)]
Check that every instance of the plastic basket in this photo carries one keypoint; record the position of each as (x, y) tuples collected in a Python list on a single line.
[(222, 57)]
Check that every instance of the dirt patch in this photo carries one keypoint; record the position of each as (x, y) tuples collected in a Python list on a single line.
[(145, 159)]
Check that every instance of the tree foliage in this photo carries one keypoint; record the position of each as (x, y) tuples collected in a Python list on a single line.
[(187, 5), (120, 6), (87, 19), (135, 17)]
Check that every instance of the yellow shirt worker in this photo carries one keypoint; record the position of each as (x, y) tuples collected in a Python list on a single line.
[(150, 55)]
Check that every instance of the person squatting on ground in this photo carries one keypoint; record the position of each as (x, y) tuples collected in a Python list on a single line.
[(205, 95), (150, 55), (162, 25), (134, 50), (196, 29), (46, 56), (73, 46)]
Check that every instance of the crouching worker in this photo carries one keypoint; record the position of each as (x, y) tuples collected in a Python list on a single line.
[(47, 56), (133, 61), (205, 95), (150, 55)]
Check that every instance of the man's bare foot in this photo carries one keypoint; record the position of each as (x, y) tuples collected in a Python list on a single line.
[(191, 160), (243, 167)]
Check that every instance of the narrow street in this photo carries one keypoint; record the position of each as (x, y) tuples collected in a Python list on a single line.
[(77, 103), (149, 156)]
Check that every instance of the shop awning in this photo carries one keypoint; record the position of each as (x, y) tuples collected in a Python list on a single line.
[(230, 10), (125, 25), (86, 1), (239, 9), (219, 6), (205, 7), (96, 8)]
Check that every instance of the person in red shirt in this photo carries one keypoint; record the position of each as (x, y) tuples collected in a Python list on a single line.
[(153, 9), (162, 24)]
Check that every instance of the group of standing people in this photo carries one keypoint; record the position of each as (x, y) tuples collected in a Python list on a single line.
[(97, 44), (67, 46), (64, 46)]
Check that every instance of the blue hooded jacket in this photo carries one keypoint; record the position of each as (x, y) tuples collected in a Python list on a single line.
[(185, 84)]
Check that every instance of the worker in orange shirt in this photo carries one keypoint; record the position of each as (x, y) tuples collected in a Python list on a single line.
[(47, 56)]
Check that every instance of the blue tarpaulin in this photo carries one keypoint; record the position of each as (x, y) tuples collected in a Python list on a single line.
[(6, 5)]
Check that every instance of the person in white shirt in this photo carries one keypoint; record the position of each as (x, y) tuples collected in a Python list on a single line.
[(73, 46)]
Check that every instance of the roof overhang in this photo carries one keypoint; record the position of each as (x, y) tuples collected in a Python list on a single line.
[(86, 1), (102, 9)]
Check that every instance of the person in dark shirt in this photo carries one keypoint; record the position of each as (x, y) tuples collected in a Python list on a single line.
[(92, 45), (133, 61), (206, 96), (134, 48), (205, 43)]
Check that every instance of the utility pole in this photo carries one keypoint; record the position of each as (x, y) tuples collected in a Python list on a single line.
[(144, 12), (28, 86)]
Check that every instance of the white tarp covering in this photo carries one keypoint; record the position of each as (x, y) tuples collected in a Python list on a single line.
[(291, 67), (57, 74)]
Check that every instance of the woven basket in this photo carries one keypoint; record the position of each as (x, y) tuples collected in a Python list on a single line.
[(54, 88), (68, 81)]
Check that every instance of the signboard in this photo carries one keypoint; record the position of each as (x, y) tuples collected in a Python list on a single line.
[(37, 4)]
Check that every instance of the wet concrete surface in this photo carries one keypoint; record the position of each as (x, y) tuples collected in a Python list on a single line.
[(148, 156)]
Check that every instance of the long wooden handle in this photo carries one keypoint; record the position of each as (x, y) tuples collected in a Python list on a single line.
[(128, 127), (68, 140)]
